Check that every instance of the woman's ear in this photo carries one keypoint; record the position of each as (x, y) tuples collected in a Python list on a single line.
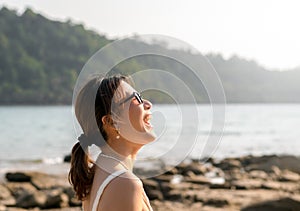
[(107, 120)]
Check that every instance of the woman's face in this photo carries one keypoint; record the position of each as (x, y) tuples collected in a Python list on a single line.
[(134, 115)]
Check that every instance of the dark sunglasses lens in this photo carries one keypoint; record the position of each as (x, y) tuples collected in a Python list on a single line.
[(138, 97)]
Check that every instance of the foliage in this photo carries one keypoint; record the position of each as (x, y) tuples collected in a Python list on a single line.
[(40, 60)]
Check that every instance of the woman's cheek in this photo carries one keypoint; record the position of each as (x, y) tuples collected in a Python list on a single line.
[(135, 117)]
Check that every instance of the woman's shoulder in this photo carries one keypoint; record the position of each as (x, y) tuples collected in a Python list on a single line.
[(127, 181), (126, 190)]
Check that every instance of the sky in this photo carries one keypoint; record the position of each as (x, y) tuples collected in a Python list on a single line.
[(266, 31)]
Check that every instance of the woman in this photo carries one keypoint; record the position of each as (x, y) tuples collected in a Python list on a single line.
[(123, 119)]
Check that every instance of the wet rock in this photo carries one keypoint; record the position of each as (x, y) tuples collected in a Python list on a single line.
[(17, 177), (67, 159), (275, 205)]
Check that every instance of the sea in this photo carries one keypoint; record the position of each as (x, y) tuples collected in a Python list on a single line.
[(38, 137)]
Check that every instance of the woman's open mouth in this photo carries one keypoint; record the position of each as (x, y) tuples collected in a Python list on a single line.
[(147, 121)]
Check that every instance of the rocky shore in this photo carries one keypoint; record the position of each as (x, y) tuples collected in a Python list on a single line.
[(247, 183)]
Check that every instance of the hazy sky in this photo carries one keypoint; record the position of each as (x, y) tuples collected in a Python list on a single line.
[(264, 30)]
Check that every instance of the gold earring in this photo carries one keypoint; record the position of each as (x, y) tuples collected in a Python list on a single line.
[(118, 132)]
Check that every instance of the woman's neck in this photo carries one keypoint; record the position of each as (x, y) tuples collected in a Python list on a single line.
[(121, 150)]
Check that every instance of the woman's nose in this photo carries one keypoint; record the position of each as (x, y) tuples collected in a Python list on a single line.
[(147, 104)]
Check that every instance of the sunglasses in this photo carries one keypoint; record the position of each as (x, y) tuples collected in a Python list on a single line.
[(137, 96)]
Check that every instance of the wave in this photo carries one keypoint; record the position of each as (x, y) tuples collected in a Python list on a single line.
[(48, 161)]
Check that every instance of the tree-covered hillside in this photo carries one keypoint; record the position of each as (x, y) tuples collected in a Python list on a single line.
[(40, 60)]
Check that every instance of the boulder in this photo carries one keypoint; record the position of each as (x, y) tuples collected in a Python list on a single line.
[(67, 159), (45, 181), (17, 177), (20, 188), (5, 196), (266, 163), (73, 201), (275, 205), (28, 200), (55, 199)]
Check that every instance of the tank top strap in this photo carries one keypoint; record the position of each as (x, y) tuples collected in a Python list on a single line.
[(103, 186)]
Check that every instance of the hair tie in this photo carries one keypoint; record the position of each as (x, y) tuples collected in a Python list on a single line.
[(85, 140)]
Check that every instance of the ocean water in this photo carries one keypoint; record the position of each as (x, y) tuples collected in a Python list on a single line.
[(38, 137)]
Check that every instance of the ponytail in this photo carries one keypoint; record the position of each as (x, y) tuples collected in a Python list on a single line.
[(92, 103), (81, 173)]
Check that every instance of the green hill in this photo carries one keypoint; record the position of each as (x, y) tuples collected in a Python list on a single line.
[(40, 60)]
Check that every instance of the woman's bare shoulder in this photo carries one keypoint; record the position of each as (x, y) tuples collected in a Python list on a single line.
[(124, 193), (127, 181)]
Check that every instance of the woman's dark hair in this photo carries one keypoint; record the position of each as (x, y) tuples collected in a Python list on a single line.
[(89, 115)]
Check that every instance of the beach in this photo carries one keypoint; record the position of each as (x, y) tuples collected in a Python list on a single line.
[(255, 164), (243, 183)]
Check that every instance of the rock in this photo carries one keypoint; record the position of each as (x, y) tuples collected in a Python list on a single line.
[(173, 195), (196, 167), (67, 159), (266, 163), (152, 189), (150, 184), (276, 171), (171, 171), (271, 185), (229, 164), (44, 181), (287, 175), (258, 174), (155, 194), (2, 207), (55, 199), (247, 184), (5, 197), (17, 177), (166, 187), (198, 180), (20, 188), (275, 205), (28, 200), (216, 202), (73, 201), (164, 178)]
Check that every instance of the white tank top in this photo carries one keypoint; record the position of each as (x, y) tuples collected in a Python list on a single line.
[(103, 185)]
